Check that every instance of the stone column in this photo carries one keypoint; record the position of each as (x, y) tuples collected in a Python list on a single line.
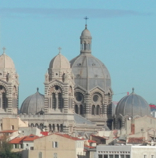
[(46, 107), (66, 129), (78, 109), (87, 105), (66, 99), (56, 130), (1, 101)]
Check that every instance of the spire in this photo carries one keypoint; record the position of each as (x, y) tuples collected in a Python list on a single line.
[(59, 48), (4, 50), (86, 18), (37, 89), (132, 90)]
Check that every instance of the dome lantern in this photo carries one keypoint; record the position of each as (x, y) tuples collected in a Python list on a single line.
[(85, 40)]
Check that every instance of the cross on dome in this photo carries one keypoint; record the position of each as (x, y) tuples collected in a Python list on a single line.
[(86, 18), (132, 90), (4, 50), (59, 49)]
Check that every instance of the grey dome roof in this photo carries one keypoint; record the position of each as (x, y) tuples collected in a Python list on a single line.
[(133, 105), (59, 62), (86, 32), (33, 104), (89, 72)]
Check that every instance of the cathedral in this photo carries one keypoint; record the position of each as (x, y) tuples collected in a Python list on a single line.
[(77, 97)]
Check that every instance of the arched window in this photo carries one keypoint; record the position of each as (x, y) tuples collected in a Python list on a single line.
[(81, 110), (76, 109), (53, 127), (58, 127), (32, 125), (61, 128), (49, 127), (85, 46), (93, 109), (60, 100), (54, 101), (98, 110), (3, 98)]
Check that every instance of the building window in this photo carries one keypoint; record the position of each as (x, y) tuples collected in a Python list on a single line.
[(21, 146), (31, 148), (16, 146), (55, 155), (110, 156), (116, 156), (54, 144), (121, 156), (12, 127), (145, 156), (100, 156), (40, 155), (127, 156), (152, 156), (105, 156)]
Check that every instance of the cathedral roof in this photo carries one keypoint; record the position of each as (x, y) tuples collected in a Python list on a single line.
[(90, 72), (81, 120), (59, 62), (132, 105), (33, 104), (6, 62)]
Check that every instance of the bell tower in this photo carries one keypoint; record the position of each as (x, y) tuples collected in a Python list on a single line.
[(59, 86), (8, 85)]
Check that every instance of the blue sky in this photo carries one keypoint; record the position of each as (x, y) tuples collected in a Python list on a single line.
[(123, 32)]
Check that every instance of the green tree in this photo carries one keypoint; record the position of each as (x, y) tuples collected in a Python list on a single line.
[(5, 148)]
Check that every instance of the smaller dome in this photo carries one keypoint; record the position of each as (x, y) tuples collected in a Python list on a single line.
[(33, 104), (6, 62), (59, 62), (132, 105), (85, 32)]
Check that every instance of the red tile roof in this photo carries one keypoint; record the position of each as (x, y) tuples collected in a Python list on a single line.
[(30, 137), (68, 136), (19, 140), (91, 141), (8, 131), (90, 147), (134, 140)]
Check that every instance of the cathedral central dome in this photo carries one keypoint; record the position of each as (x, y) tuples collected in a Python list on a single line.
[(90, 72)]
